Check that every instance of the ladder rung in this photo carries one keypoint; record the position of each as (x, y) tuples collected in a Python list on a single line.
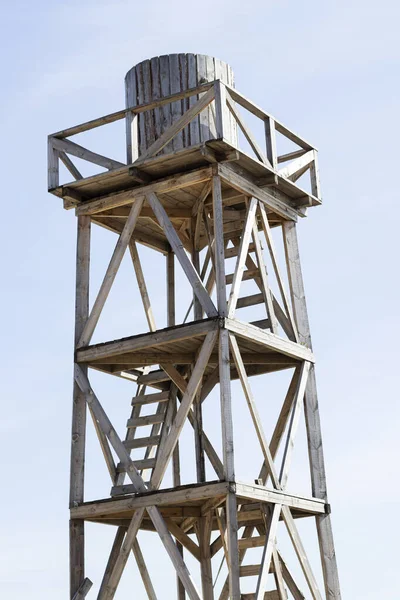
[(250, 300), (230, 252), (147, 420), (152, 440), (252, 542), (119, 490), (262, 324), (157, 376), (249, 570), (150, 398), (145, 463), (271, 595), (249, 274)]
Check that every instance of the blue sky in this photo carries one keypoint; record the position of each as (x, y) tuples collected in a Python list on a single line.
[(328, 70)]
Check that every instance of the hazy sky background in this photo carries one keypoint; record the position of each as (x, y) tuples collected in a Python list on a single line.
[(328, 70)]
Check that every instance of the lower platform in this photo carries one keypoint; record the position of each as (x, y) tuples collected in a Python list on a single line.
[(183, 505)]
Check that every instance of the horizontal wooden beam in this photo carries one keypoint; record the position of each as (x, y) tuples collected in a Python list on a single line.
[(121, 114), (161, 186), (263, 494), (181, 494), (85, 154), (273, 198), (261, 114), (147, 340), (269, 340)]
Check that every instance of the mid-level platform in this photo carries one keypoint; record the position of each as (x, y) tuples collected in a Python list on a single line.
[(183, 505), (262, 351)]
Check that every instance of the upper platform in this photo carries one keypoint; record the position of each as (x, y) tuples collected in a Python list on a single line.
[(284, 176)]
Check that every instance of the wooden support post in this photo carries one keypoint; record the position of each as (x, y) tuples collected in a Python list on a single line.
[(77, 472), (53, 168), (313, 425), (176, 465), (229, 468), (205, 528)]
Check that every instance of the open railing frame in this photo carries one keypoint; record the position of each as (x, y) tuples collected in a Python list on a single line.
[(225, 100)]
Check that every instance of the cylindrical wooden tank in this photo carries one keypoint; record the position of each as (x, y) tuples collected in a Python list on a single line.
[(165, 75)]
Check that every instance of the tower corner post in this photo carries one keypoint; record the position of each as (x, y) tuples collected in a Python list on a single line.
[(78, 433), (312, 417)]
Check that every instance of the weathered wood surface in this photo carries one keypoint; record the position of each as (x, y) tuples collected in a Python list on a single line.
[(78, 433), (314, 436), (152, 80)]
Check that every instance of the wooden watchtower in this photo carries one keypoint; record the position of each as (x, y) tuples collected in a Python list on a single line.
[(203, 189)]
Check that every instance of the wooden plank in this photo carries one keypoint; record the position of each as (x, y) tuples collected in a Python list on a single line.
[(143, 442), (282, 595), (253, 410), (151, 594), (264, 281), (221, 112), (247, 133), (274, 260), (115, 550), (196, 493), (83, 589), (111, 272), (290, 582), (145, 341), (248, 188), (312, 418), (161, 186), (183, 538), (270, 141), (181, 415), (259, 112), (301, 553), (178, 125), (69, 165), (205, 530), (105, 448), (150, 398), (259, 493), (198, 212), (121, 114), (219, 248), (272, 521), (143, 421), (85, 154), (177, 247), (291, 155), (53, 173), (137, 265), (78, 428), (241, 260), (269, 340), (282, 421), (109, 590), (229, 463), (298, 166), (293, 424)]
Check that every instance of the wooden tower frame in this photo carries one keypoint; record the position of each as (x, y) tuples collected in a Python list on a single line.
[(199, 205)]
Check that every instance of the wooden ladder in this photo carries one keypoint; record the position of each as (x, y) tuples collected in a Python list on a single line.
[(149, 443), (253, 272)]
